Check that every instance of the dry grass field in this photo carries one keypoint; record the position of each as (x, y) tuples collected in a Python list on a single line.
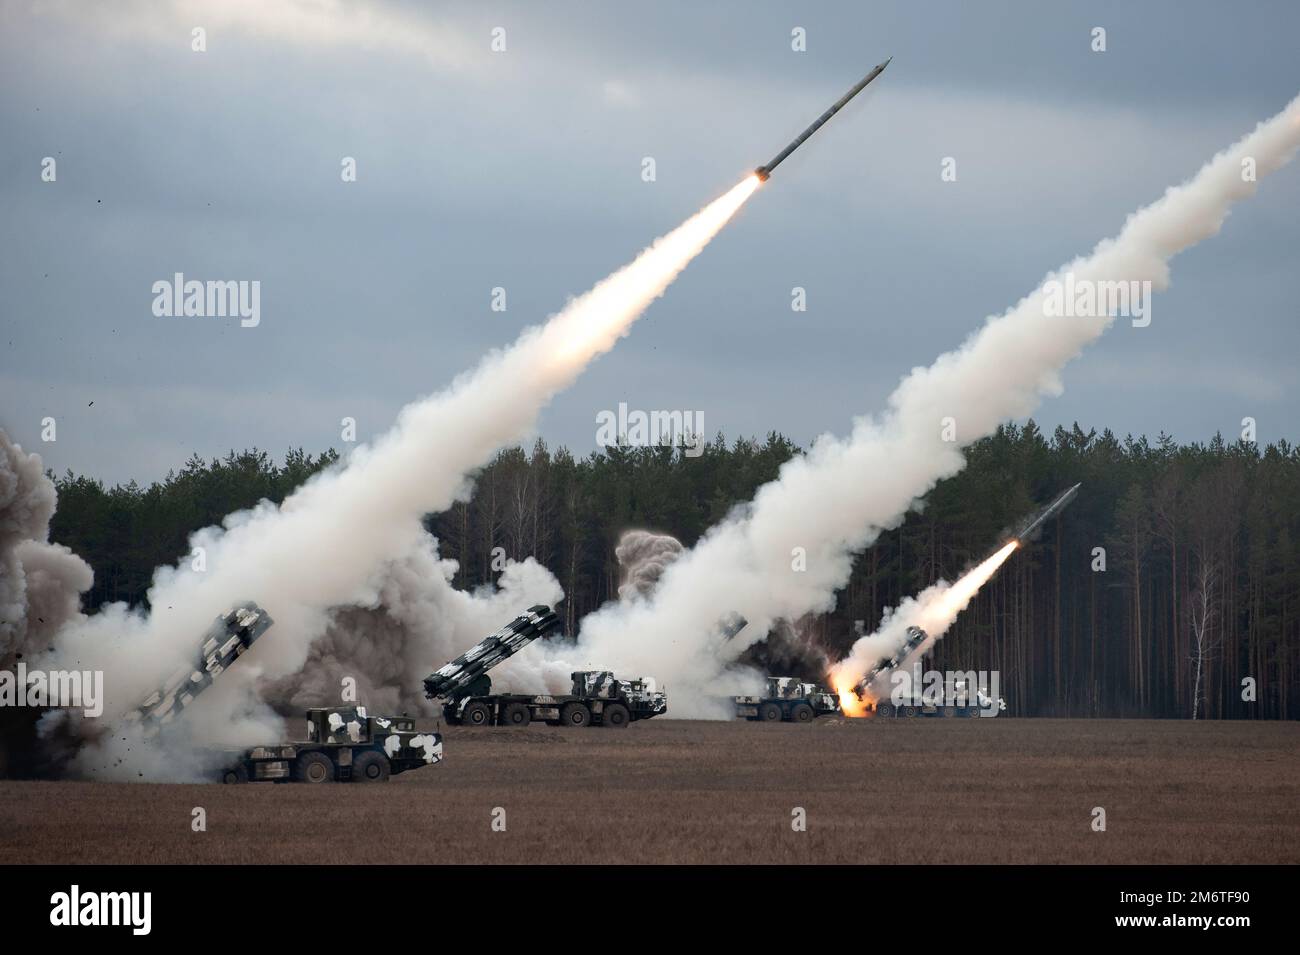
[(921, 791)]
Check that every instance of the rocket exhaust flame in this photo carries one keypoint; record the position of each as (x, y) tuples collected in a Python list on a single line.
[(933, 611)]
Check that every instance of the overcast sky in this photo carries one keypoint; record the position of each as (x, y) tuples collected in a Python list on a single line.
[(523, 169)]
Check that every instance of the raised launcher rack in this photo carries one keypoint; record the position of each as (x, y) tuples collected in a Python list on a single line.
[(230, 635), (457, 678), (915, 637)]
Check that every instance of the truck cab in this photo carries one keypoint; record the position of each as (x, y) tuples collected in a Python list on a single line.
[(790, 700), (342, 744)]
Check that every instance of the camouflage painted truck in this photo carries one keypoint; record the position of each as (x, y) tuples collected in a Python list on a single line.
[(597, 697), (964, 698), (789, 700), (343, 743)]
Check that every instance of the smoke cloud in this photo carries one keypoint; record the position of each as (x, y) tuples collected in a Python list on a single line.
[(40, 583), (644, 556), (339, 540)]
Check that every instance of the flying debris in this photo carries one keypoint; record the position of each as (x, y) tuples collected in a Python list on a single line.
[(1050, 510), (764, 171)]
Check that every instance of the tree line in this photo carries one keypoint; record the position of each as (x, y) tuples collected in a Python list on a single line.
[(1169, 587)]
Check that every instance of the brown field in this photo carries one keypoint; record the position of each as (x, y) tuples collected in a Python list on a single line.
[(929, 790)]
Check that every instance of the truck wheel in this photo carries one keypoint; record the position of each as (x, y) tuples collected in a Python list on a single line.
[(517, 714), (909, 711), (973, 711), (769, 713), (885, 710), (616, 715), (802, 713), (236, 774), (370, 767), (575, 714), (313, 767), (477, 713), (947, 712)]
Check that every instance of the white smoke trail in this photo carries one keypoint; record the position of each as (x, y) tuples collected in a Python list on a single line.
[(789, 551), (334, 541), (933, 610)]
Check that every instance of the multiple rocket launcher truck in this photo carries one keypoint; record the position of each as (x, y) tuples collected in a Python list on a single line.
[(347, 744), (787, 699), (596, 698), (343, 743)]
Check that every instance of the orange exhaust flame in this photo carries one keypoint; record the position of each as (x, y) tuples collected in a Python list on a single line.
[(933, 616), (850, 703)]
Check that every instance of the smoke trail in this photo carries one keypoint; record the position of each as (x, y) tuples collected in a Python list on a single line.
[(787, 552), (933, 610), (334, 541)]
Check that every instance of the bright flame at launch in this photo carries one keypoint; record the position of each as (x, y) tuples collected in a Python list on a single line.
[(934, 615)]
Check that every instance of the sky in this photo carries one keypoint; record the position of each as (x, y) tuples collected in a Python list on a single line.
[(522, 169)]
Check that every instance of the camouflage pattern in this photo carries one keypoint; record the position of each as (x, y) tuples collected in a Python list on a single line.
[(454, 680), (226, 640), (357, 747), (639, 695), (790, 700), (597, 697)]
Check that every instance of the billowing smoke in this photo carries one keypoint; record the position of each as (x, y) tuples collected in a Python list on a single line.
[(787, 552), (40, 583), (419, 622), (643, 557), (40, 590), (339, 539)]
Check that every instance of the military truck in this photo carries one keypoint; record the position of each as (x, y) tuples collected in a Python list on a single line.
[(344, 744), (912, 700), (790, 700), (963, 703), (597, 698)]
